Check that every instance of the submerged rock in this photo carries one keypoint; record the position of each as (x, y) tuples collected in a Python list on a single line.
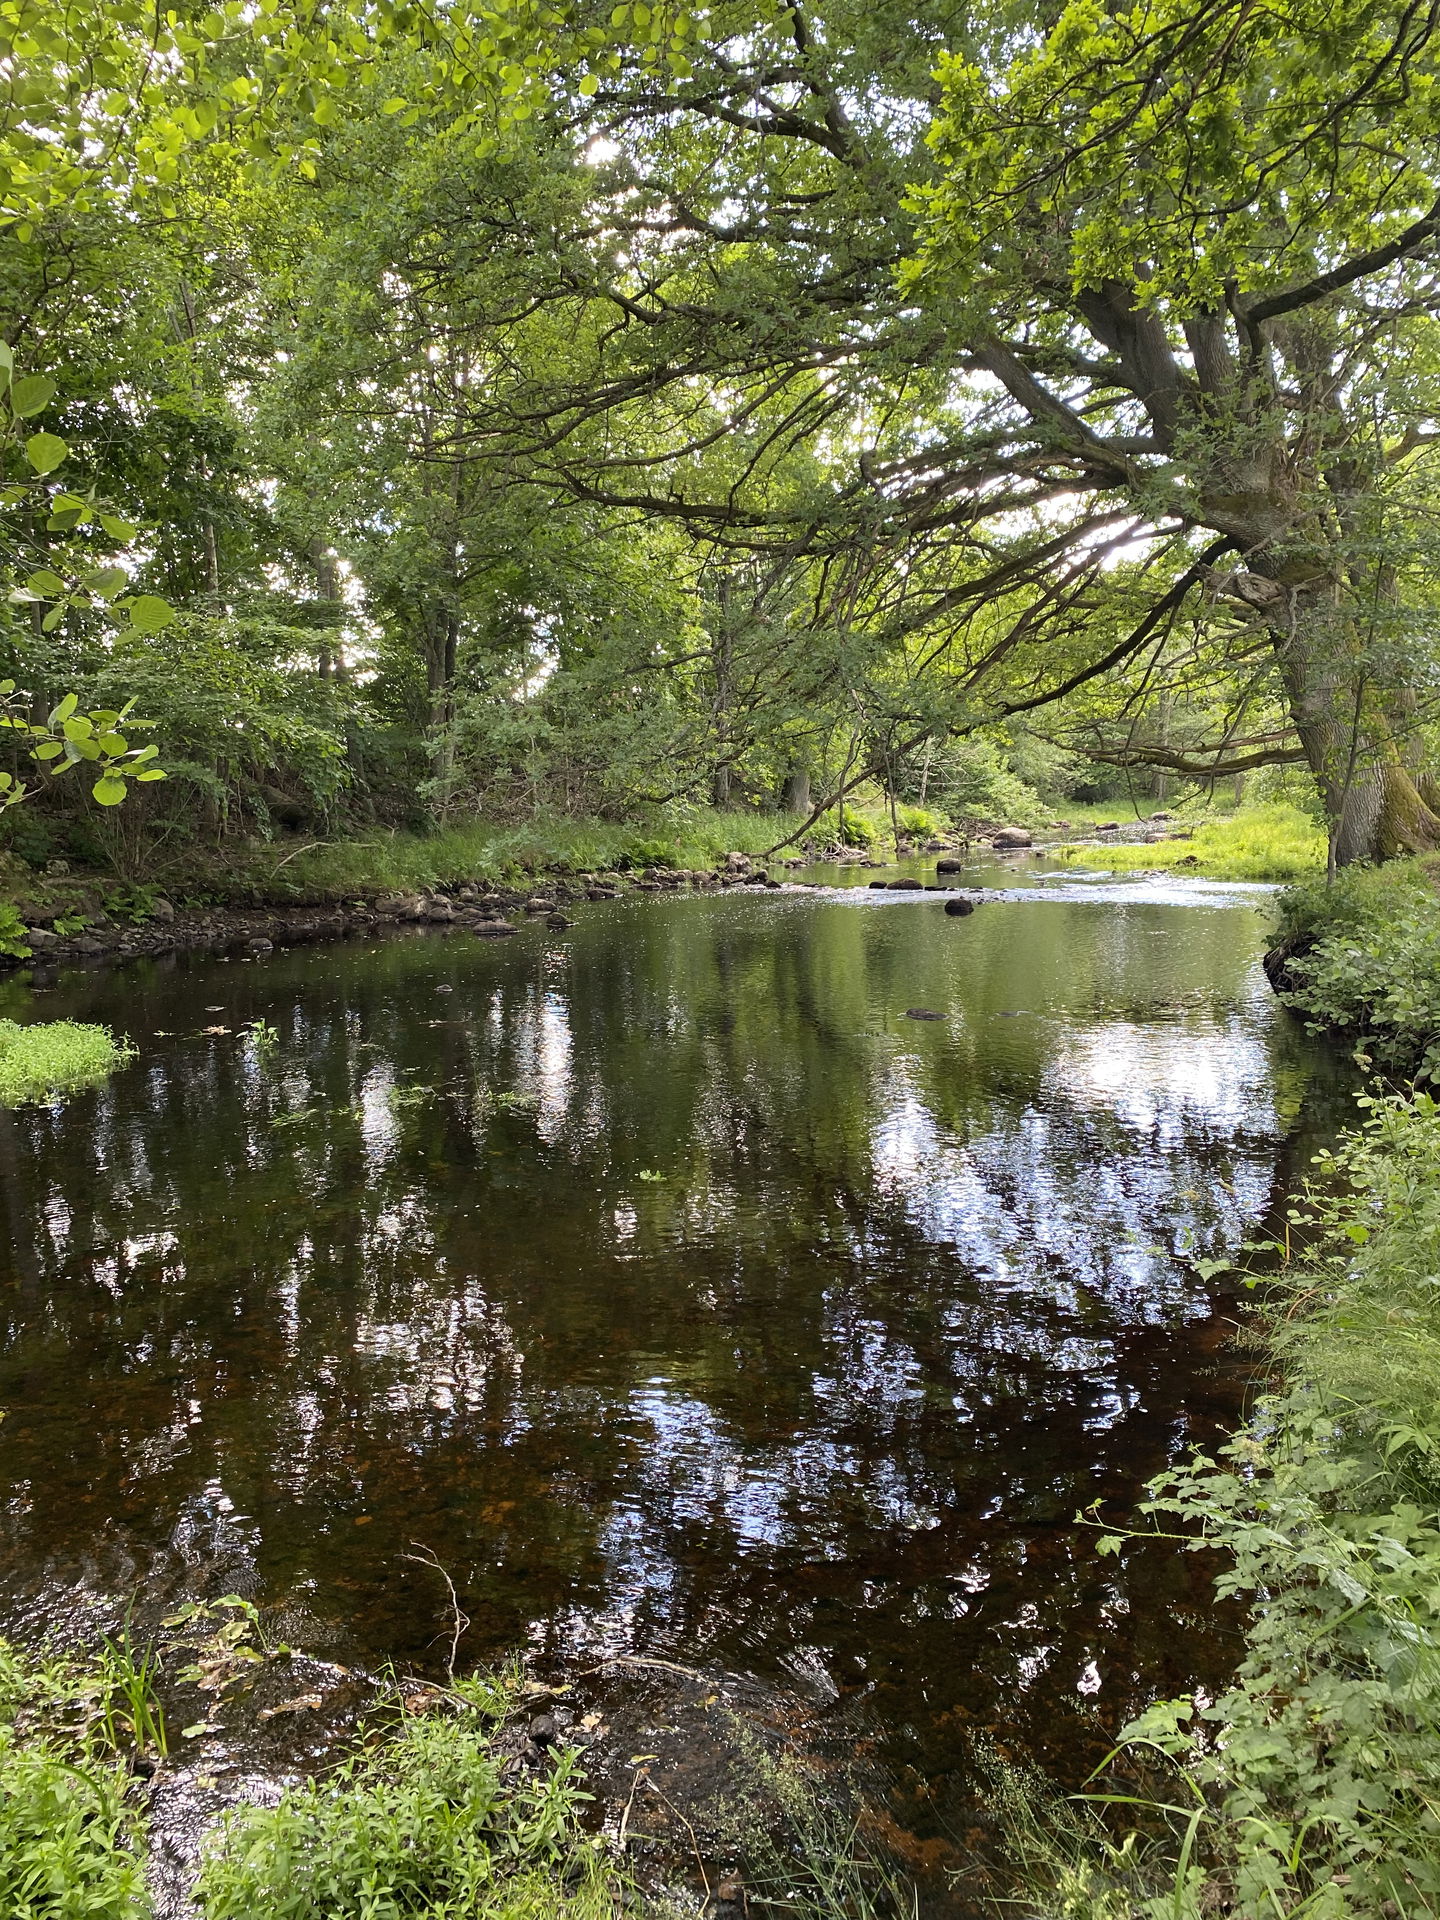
[(957, 908)]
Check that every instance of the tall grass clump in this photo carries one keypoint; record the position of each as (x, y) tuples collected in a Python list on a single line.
[(799, 1832), (425, 1823), (53, 1057), (481, 851), (70, 1839), (1276, 842), (1311, 1785), (1362, 957)]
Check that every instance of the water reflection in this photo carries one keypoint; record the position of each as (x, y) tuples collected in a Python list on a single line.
[(668, 1282)]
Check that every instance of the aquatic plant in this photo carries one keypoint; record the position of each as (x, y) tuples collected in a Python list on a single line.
[(38, 1063)]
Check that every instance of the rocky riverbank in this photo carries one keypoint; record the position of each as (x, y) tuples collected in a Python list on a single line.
[(53, 936)]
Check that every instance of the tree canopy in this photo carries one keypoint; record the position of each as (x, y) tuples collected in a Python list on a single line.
[(596, 407)]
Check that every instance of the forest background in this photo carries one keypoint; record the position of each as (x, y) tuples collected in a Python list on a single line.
[(505, 412)]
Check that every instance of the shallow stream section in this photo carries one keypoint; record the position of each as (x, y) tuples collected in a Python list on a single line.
[(757, 1281)]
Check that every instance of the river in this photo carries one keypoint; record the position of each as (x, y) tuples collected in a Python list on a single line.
[(677, 1288)]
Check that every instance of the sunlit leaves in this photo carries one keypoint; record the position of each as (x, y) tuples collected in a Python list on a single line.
[(45, 451)]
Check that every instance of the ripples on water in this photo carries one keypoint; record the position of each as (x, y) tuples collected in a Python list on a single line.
[(672, 1285)]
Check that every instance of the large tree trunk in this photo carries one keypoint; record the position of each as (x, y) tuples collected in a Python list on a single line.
[(1376, 799), (795, 791)]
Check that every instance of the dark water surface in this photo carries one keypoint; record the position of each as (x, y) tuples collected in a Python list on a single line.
[(674, 1287)]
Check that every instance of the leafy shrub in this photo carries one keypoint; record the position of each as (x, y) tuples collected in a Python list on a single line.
[(1365, 960), (1326, 1770), (976, 778), (917, 821), (856, 830), (423, 1824), (54, 1057)]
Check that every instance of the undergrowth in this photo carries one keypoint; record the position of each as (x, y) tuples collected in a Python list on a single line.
[(1364, 959), (479, 852), (1276, 842), (1311, 1785), (70, 1838), (426, 1823), (53, 1057)]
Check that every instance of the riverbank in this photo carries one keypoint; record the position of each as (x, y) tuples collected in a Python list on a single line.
[(1360, 961), (489, 879), (1311, 1784)]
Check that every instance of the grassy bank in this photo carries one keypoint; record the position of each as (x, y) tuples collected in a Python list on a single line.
[(273, 873), (427, 1819), (1260, 843)]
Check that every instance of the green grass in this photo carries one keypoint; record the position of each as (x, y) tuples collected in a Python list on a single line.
[(41, 1062), (70, 1841), (426, 1823), (402, 862), (1260, 843)]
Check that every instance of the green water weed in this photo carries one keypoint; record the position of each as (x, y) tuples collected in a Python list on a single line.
[(42, 1062)]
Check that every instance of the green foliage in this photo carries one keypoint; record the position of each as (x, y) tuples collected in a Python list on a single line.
[(1322, 1761), (1261, 843), (1367, 962), (70, 1845), (919, 822), (400, 862), (69, 738), (13, 931), (424, 1824), (976, 779), (42, 1062)]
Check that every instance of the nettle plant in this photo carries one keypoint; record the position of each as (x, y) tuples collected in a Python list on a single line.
[(54, 579)]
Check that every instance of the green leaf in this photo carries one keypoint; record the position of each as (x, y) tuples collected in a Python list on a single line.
[(117, 528), (44, 584), (31, 395), (108, 790), (47, 750), (149, 613), (107, 581), (45, 451), (153, 773), (60, 714)]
